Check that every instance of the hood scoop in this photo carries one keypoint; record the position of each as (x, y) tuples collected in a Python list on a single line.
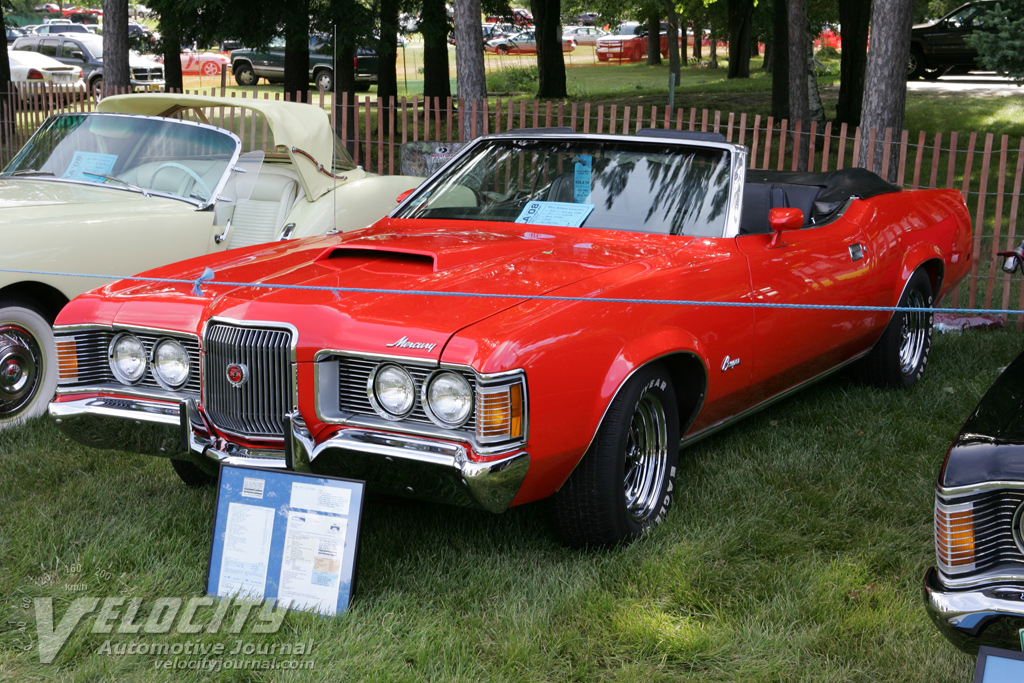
[(380, 260)]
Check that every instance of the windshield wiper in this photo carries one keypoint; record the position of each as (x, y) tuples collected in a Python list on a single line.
[(29, 171), (144, 192)]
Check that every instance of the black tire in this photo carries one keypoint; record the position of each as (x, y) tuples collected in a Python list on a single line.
[(501, 49), (900, 356), (623, 485), (28, 362), (96, 88), (244, 74), (363, 86), (192, 475), (324, 80), (915, 64)]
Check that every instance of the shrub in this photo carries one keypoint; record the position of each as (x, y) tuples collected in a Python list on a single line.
[(828, 52), (513, 79)]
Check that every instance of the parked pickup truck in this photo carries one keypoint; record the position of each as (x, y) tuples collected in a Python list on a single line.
[(250, 65)]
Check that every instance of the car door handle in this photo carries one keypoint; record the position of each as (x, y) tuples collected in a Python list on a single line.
[(856, 252)]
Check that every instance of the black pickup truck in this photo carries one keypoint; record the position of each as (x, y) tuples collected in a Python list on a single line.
[(939, 46), (249, 65)]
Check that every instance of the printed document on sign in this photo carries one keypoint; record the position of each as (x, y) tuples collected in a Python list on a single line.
[(311, 561), (243, 568)]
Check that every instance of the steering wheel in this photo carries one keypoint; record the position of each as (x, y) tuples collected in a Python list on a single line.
[(187, 171)]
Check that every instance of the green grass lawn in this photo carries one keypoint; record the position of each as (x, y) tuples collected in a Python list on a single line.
[(794, 553)]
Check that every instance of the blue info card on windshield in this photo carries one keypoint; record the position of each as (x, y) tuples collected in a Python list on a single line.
[(564, 214), (90, 166)]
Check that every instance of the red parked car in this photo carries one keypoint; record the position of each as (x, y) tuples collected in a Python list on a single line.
[(551, 315), (629, 43)]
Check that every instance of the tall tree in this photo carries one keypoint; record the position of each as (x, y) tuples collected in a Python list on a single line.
[(7, 94), (116, 75), (469, 63), (885, 91), (780, 60), (547, 23), (740, 15), (673, 38), (387, 60), (798, 39), (854, 19), (296, 50), (654, 36), (434, 27)]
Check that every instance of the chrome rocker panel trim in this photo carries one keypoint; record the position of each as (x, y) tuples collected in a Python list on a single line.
[(391, 463), (972, 618)]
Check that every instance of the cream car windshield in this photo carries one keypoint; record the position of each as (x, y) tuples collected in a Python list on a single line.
[(638, 186), (137, 153)]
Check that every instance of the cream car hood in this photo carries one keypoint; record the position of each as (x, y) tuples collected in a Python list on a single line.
[(23, 193)]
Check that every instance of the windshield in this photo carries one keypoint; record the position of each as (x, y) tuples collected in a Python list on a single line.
[(667, 189), (163, 156)]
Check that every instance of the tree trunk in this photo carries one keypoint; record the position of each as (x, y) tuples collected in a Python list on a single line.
[(116, 75), (296, 51), (170, 41), (7, 94), (885, 92), (713, 49), (780, 61), (798, 110), (653, 39), (854, 19), (740, 14), (673, 40), (345, 88), (698, 40), (815, 109), (387, 59), (469, 65), (434, 27), (550, 61)]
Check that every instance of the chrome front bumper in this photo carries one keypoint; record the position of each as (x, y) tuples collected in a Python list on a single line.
[(970, 618), (390, 463)]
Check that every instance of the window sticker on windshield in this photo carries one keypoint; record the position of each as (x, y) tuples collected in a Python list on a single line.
[(564, 214), (90, 166), (581, 177)]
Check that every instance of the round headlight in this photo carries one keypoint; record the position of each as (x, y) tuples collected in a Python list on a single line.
[(449, 399), (127, 358), (394, 391), (170, 363)]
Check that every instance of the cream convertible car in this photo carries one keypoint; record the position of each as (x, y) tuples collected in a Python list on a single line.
[(147, 180)]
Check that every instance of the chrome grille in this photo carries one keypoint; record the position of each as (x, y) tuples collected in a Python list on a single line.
[(94, 365), (354, 373), (994, 513), (148, 73), (257, 407)]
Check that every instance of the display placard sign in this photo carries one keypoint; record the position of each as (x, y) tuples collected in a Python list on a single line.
[(999, 666), (290, 536)]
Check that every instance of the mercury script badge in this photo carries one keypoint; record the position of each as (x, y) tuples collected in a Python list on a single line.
[(237, 374), (404, 343)]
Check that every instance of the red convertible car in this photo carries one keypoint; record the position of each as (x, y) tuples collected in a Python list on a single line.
[(550, 315)]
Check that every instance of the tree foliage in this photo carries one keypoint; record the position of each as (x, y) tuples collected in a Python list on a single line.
[(1003, 49)]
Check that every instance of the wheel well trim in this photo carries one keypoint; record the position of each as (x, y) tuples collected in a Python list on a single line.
[(47, 298), (932, 265), (684, 421)]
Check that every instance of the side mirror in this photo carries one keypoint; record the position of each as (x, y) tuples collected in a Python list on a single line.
[(784, 219), (76, 54)]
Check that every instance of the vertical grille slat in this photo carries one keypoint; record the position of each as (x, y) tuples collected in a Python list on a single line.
[(257, 407), (93, 368)]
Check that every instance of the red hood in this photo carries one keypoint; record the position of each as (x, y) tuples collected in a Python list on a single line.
[(394, 256)]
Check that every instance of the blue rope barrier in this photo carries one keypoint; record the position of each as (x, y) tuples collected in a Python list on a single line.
[(207, 279)]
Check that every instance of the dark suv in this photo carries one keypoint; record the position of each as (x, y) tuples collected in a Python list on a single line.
[(937, 47), (249, 65), (86, 51)]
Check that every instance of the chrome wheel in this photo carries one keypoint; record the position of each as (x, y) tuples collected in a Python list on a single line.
[(21, 359), (646, 457), (914, 334)]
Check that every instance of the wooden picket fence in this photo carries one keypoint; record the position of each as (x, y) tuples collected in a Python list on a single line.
[(987, 169)]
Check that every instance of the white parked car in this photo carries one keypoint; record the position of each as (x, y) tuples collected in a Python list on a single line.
[(146, 180), (32, 67)]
